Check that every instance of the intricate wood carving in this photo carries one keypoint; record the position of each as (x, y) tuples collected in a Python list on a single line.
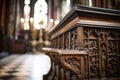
[(91, 47), (101, 44), (98, 34), (73, 62), (74, 42)]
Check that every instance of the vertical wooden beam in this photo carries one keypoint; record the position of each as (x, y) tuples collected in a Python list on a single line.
[(53, 43), (69, 39), (88, 54), (63, 42), (80, 37), (57, 71), (67, 75), (82, 63), (58, 43), (107, 57), (62, 74), (99, 52)]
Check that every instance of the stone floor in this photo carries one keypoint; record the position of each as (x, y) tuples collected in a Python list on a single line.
[(24, 67)]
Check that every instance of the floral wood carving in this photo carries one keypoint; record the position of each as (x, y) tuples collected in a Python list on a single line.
[(73, 62), (102, 46)]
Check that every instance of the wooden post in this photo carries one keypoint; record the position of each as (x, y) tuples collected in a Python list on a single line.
[(80, 37)]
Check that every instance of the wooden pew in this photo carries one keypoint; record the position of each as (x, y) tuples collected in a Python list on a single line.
[(95, 31)]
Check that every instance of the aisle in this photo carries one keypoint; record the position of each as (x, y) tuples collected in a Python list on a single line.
[(24, 67)]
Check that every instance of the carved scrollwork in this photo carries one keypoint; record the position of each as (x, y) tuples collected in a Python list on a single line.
[(73, 63)]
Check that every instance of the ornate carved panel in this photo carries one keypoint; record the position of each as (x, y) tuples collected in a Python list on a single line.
[(91, 47), (73, 39), (102, 46), (113, 52), (103, 52)]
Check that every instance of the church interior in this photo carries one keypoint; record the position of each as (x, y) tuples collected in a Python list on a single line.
[(59, 39)]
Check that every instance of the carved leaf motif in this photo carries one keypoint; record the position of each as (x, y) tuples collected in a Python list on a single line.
[(74, 63)]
